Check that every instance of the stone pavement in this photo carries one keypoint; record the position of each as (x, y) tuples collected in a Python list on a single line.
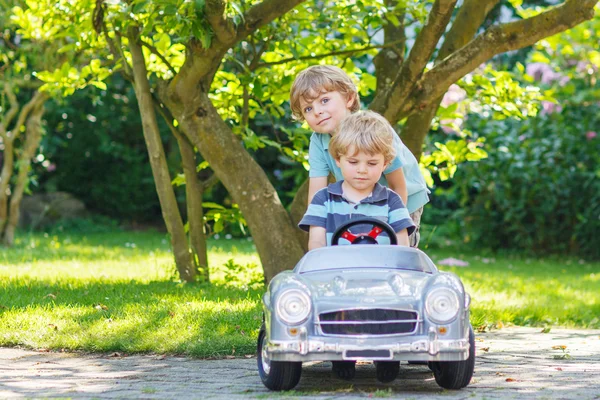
[(512, 363)]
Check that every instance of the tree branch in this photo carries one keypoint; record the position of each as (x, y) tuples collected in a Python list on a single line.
[(33, 102), (127, 69), (389, 61), (14, 105), (223, 28), (426, 41), (495, 40), (331, 54), (262, 14), (468, 20), (420, 54)]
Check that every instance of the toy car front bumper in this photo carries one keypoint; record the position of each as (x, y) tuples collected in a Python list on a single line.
[(421, 348)]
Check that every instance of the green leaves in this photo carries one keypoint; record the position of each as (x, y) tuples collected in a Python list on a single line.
[(500, 95), (445, 160), (66, 79), (221, 216)]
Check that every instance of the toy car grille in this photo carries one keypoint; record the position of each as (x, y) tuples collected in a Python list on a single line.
[(375, 321)]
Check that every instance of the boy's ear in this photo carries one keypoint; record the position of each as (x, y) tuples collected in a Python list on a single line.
[(350, 101), (337, 162)]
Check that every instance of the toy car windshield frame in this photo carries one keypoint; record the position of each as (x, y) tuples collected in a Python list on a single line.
[(365, 257)]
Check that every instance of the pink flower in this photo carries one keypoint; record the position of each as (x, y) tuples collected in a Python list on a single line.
[(549, 107), (454, 94), (590, 135), (544, 73)]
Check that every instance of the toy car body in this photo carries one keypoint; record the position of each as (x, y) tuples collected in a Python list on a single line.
[(382, 303)]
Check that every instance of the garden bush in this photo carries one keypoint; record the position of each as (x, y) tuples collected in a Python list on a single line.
[(539, 189)]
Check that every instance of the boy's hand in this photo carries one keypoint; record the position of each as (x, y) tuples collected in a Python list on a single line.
[(403, 238), (317, 237)]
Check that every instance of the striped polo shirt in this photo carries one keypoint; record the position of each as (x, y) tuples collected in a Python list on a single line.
[(330, 209)]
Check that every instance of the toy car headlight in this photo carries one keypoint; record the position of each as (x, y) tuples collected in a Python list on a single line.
[(442, 305), (293, 306)]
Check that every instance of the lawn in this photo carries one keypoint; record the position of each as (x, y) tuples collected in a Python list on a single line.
[(118, 292)]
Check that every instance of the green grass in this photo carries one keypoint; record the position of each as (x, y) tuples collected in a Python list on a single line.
[(119, 292)]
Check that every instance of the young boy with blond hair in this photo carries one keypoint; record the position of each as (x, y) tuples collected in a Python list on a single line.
[(362, 149), (323, 95)]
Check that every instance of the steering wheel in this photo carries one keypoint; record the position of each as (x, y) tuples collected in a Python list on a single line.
[(343, 231)]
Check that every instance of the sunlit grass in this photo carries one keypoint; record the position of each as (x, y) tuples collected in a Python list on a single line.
[(120, 292), (526, 291)]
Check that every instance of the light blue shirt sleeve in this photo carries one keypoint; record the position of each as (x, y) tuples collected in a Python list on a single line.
[(397, 162), (317, 157)]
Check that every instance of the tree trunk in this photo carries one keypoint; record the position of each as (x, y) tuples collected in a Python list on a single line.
[(7, 170), (297, 210), (160, 171), (195, 213), (269, 223), (194, 190), (8, 138), (416, 128), (33, 136)]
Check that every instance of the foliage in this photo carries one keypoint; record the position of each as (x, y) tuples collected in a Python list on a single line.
[(248, 275), (540, 188), (115, 292), (222, 218), (100, 158)]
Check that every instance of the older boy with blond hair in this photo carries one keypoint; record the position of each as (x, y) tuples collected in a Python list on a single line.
[(323, 95), (362, 149)]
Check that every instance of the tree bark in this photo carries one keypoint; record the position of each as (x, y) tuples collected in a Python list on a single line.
[(33, 136), (269, 223), (156, 153)]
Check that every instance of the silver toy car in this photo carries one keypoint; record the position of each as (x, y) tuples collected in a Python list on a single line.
[(383, 303)]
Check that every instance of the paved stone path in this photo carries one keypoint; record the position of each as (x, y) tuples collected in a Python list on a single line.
[(512, 363)]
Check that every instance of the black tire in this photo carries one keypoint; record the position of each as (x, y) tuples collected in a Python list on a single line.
[(345, 370), (276, 375), (387, 371), (456, 374)]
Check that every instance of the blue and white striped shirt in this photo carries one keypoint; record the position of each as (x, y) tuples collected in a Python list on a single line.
[(329, 209)]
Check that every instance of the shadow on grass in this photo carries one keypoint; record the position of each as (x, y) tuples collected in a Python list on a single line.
[(156, 317)]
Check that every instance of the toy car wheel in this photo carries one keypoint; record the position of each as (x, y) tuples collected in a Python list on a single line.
[(456, 374), (345, 370), (276, 375), (387, 371)]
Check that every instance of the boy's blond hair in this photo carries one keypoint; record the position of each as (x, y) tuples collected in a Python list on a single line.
[(314, 80), (364, 131)]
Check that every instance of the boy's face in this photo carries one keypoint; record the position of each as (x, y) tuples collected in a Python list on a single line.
[(324, 113), (361, 170)]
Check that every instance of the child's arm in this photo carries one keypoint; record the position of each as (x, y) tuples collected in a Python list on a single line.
[(317, 237), (397, 183), (315, 184), (403, 238)]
